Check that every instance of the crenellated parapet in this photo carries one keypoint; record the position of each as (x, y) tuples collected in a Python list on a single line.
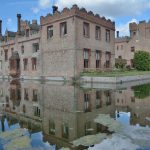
[(77, 12), (142, 24)]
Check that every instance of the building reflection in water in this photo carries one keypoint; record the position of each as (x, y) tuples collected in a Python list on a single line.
[(64, 112)]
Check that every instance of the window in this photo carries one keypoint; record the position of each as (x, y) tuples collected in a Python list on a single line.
[(35, 47), (88, 126), (132, 99), (26, 96), (117, 47), (132, 49), (27, 33), (98, 99), (52, 127), (132, 63), (86, 58), (25, 64), (1, 92), (22, 49), (49, 32), (98, 59), (65, 130), (12, 49), (97, 32), (37, 111), (35, 95), (86, 29), (24, 108), (1, 52), (34, 63), (134, 33), (87, 105), (1, 64), (63, 29), (6, 54), (121, 47), (108, 56), (120, 57), (107, 35), (108, 97)]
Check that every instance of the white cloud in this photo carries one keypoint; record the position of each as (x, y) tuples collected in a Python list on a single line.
[(9, 21), (124, 28), (111, 8), (44, 3), (35, 10)]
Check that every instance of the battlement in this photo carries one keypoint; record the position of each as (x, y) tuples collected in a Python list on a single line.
[(135, 26), (78, 12)]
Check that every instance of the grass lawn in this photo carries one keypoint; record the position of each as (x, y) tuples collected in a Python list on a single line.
[(115, 73)]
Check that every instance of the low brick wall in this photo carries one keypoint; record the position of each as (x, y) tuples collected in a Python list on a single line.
[(86, 79)]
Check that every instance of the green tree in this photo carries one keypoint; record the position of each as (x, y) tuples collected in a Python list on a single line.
[(142, 60), (142, 91)]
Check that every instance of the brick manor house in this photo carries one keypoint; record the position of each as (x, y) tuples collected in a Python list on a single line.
[(139, 39), (65, 44)]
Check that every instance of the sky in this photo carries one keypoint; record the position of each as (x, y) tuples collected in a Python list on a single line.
[(121, 11)]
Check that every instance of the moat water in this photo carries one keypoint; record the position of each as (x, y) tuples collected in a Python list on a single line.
[(55, 115)]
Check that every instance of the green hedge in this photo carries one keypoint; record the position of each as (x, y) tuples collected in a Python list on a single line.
[(142, 60)]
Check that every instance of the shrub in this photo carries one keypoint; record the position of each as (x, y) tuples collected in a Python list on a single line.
[(120, 63), (142, 60)]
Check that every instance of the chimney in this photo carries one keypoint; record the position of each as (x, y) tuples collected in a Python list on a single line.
[(0, 27), (19, 23), (117, 34), (55, 8)]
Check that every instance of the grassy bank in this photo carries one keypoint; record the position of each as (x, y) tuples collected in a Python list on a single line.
[(115, 73)]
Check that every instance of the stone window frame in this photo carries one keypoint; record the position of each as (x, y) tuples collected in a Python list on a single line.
[(132, 48), (86, 57), (35, 47), (12, 50), (50, 31), (98, 58), (107, 35), (34, 63), (26, 94), (22, 49), (1, 64), (97, 32), (86, 29), (63, 29), (108, 59), (87, 102), (25, 64), (6, 54)]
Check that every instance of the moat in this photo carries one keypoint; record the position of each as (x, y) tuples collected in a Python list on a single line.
[(57, 115)]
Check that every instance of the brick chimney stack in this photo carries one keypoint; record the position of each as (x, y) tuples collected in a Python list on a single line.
[(19, 23)]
